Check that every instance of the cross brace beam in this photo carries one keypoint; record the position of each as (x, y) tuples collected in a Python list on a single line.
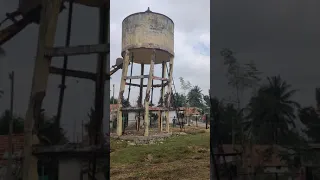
[(146, 76), (76, 73), (155, 85), (77, 50)]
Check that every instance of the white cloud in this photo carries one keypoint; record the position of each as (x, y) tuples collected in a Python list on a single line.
[(192, 28)]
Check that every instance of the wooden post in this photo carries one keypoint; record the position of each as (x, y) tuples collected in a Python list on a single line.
[(122, 86), (169, 92), (147, 99), (48, 24)]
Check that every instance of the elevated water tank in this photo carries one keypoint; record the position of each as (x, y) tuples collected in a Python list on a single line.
[(144, 31)]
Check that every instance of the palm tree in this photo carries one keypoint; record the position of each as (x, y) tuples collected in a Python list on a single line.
[(271, 111), (195, 97), (310, 118)]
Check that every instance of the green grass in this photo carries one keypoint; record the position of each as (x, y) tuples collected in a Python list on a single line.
[(179, 157), (170, 150)]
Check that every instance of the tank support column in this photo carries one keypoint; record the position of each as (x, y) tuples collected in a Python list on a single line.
[(163, 93), (147, 99), (169, 93), (122, 86), (140, 97), (47, 29)]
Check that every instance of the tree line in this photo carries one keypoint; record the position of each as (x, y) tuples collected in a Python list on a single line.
[(271, 115), (191, 96)]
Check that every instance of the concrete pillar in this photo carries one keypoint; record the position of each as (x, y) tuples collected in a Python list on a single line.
[(169, 92), (47, 30), (147, 99), (163, 92), (122, 86)]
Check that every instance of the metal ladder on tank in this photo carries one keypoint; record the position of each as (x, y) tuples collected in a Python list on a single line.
[(43, 68)]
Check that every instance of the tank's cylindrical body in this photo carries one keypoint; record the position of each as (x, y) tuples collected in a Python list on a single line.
[(142, 32)]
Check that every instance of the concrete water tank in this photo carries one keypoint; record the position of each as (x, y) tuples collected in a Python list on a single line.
[(144, 31)]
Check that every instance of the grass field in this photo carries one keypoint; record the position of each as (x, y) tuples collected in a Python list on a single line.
[(184, 157)]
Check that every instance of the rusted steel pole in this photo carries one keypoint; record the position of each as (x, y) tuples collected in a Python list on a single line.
[(147, 99), (100, 84), (62, 86), (169, 92), (140, 96), (122, 86)]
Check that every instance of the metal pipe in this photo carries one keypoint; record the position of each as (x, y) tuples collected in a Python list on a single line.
[(62, 86), (99, 95), (140, 97)]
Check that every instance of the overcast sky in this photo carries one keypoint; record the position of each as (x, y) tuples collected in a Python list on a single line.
[(281, 37), (191, 40)]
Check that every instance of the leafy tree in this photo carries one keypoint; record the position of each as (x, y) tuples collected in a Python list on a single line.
[(47, 128), (113, 100), (180, 99), (223, 114), (125, 102), (138, 101), (271, 111), (195, 97), (310, 118), (165, 100), (206, 99), (240, 77), (4, 123), (185, 85)]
